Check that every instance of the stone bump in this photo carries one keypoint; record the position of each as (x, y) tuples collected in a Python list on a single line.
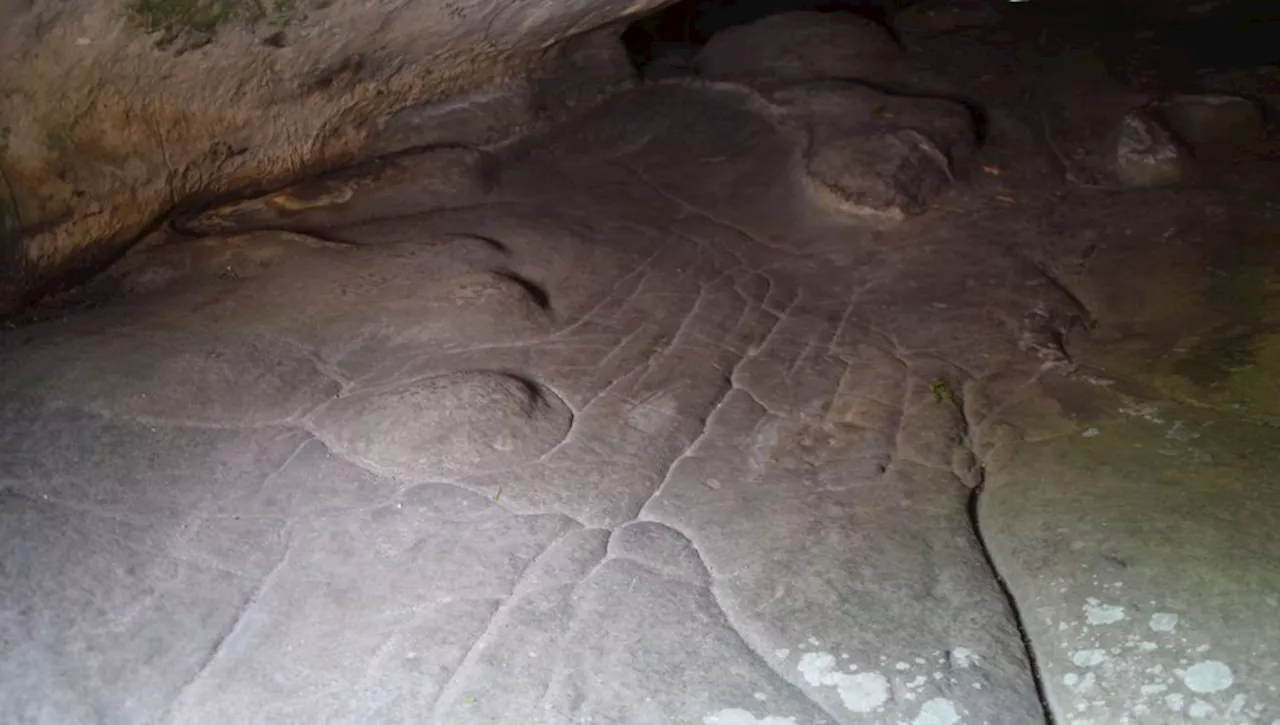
[(445, 426)]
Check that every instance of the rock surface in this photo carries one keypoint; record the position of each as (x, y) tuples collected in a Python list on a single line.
[(799, 46), (445, 426), (1148, 154), (1129, 583), (940, 16), (1149, 597), (114, 113), (875, 155), (578, 554), (1214, 120), (529, 435)]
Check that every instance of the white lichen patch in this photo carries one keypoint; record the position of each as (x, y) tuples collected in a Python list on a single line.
[(1145, 411), (1200, 709), (1237, 704), (815, 666), (736, 716), (861, 692), (1178, 432), (1095, 612), (963, 658), (1122, 668), (1207, 677), (938, 711), (1081, 684), (1089, 657)]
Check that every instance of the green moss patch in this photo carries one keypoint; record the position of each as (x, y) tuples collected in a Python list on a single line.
[(203, 18), (1228, 357)]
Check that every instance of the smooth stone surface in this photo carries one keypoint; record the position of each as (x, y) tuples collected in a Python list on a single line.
[(198, 379), (680, 459), (1146, 600)]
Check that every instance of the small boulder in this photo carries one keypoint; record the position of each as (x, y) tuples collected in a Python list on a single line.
[(1261, 83), (876, 156), (881, 178), (1148, 154), (1214, 119), (800, 46), (940, 16)]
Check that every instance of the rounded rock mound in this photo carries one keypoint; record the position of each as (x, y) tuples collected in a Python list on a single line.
[(799, 46), (874, 155), (445, 426)]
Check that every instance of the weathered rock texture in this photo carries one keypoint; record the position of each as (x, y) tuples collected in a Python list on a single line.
[(111, 113), (1147, 154), (625, 424), (531, 459)]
